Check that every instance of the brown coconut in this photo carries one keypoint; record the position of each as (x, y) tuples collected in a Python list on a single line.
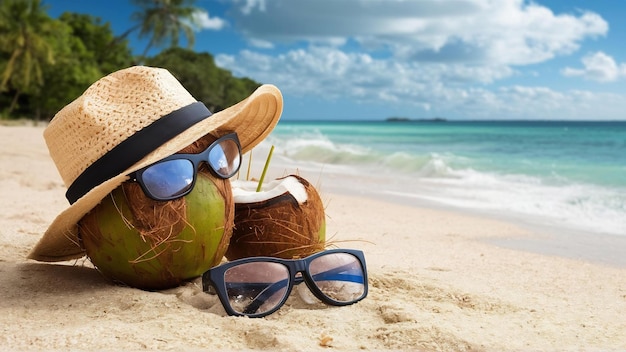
[(151, 244), (285, 219)]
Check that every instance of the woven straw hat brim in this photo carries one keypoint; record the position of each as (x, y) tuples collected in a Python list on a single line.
[(252, 119)]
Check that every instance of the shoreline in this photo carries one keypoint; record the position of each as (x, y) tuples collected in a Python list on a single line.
[(470, 167), (541, 236), (436, 283)]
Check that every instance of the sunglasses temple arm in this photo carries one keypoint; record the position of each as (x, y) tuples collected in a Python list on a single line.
[(265, 295), (341, 273)]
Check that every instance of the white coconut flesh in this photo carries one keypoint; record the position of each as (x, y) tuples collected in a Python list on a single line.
[(245, 191)]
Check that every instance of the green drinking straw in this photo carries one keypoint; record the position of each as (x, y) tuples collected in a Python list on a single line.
[(267, 163)]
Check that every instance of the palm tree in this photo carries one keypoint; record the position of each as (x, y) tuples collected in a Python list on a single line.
[(25, 42), (163, 20)]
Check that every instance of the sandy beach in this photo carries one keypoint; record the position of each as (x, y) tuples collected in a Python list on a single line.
[(439, 279)]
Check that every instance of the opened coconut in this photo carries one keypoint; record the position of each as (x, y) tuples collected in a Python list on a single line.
[(285, 219), (152, 245)]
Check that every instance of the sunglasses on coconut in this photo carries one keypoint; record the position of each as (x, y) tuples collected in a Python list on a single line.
[(258, 286), (175, 176)]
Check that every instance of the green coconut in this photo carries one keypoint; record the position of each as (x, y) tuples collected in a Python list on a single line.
[(116, 241)]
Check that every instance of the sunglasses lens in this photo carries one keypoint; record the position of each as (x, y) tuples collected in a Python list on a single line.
[(168, 179), (256, 288), (225, 158), (339, 276)]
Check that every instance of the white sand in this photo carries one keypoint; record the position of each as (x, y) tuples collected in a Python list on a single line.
[(436, 283)]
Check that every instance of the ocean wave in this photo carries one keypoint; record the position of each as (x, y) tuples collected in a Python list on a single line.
[(317, 148), (465, 182), (583, 207)]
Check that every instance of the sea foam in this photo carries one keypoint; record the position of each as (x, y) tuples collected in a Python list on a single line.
[(508, 184)]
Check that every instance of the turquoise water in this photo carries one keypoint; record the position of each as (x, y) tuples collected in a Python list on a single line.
[(573, 172)]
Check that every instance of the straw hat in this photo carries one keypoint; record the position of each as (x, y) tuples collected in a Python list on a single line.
[(129, 120)]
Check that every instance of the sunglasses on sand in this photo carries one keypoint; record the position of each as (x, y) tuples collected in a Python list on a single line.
[(258, 286), (175, 176)]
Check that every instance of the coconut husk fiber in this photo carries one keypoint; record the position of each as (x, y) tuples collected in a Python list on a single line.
[(280, 226)]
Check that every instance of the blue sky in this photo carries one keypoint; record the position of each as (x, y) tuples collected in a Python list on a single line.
[(371, 59)]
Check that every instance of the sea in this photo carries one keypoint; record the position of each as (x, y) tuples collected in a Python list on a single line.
[(556, 173)]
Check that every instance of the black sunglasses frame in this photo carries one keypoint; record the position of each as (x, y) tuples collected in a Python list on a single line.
[(195, 159), (214, 277)]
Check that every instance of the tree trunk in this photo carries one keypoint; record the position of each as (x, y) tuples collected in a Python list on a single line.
[(14, 102)]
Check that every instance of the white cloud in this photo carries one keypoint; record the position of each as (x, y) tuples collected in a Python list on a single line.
[(546, 103), (329, 73), (261, 44), (202, 20), (247, 6), (431, 56), (511, 32), (598, 67), (337, 73)]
